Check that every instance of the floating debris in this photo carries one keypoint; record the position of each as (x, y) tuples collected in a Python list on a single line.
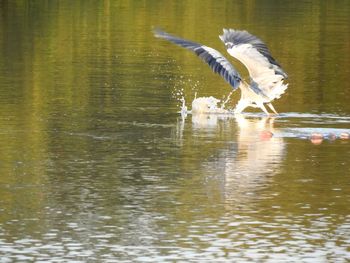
[(266, 135), (316, 138), (331, 136), (316, 135), (344, 136)]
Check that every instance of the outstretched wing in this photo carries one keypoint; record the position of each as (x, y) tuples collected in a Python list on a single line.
[(252, 47), (265, 72), (217, 62)]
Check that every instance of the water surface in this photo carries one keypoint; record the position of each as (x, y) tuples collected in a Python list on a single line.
[(96, 163)]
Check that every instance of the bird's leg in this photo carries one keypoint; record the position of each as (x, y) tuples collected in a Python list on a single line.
[(272, 108), (261, 106)]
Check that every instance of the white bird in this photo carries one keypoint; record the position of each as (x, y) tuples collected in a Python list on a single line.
[(266, 75)]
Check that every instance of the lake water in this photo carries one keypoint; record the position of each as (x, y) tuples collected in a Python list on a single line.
[(98, 165)]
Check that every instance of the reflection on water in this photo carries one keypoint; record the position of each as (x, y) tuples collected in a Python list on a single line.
[(96, 165), (257, 159), (252, 158), (227, 191)]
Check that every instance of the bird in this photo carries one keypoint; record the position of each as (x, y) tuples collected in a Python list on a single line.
[(265, 73)]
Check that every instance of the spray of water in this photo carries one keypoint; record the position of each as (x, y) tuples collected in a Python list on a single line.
[(206, 105)]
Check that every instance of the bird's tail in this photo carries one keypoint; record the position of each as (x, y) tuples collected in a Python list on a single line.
[(270, 84), (278, 89)]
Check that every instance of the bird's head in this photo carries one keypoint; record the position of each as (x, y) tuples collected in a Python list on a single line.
[(229, 45), (227, 38)]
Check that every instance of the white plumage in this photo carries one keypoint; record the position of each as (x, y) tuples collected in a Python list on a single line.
[(266, 75)]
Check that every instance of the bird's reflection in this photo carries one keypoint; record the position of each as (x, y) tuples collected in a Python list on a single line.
[(205, 121), (258, 156), (252, 156)]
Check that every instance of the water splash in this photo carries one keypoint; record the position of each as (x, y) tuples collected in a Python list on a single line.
[(227, 99), (207, 111), (206, 105), (184, 109)]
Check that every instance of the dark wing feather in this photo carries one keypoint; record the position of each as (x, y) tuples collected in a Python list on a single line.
[(217, 62), (237, 37)]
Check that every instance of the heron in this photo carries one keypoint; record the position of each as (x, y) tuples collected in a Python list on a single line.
[(265, 73)]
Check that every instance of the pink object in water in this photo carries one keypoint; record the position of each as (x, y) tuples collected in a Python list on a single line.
[(344, 136), (266, 135), (316, 138)]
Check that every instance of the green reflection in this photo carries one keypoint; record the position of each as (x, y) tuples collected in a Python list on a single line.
[(90, 135)]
